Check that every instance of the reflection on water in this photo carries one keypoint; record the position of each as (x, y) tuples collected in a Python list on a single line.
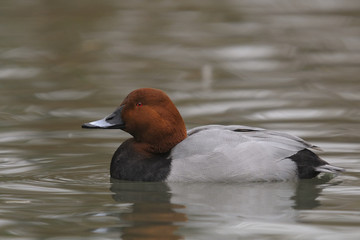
[(152, 214), (158, 209), (288, 66)]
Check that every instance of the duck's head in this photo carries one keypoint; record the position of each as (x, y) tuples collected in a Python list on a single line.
[(150, 117)]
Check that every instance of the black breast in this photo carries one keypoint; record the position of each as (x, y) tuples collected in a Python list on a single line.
[(128, 164)]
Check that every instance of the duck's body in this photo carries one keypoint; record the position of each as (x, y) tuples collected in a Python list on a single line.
[(162, 150)]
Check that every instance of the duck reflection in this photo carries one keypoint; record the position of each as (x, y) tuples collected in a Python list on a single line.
[(308, 190), (168, 210), (152, 215)]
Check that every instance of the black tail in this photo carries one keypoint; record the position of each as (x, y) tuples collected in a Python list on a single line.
[(309, 165)]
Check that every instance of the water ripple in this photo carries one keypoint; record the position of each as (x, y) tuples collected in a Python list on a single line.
[(19, 73), (63, 95)]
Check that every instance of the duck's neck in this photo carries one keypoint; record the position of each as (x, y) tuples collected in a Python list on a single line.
[(162, 143)]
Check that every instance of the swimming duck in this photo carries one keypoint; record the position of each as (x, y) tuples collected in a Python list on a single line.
[(162, 150)]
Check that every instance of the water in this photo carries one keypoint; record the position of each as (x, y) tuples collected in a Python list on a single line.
[(288, 66)]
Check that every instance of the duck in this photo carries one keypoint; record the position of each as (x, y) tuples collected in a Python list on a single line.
[(161, 149)]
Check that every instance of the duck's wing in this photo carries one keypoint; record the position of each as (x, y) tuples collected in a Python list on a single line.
[(239, 128), (259, 133), (207, 139), (236, 153)]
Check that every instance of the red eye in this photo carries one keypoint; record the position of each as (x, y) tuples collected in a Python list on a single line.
[(139, 104)]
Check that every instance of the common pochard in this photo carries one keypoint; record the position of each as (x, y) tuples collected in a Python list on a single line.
[(162, 150)]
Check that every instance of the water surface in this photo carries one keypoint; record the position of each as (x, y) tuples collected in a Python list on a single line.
[(287, 66)]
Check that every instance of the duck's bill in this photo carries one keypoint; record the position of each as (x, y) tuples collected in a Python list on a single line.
[(113, 121)]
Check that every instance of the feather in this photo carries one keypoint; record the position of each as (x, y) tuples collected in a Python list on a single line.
[(329, 169), (236, 153)]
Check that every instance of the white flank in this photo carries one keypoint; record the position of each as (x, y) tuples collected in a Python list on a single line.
[(221, 154)]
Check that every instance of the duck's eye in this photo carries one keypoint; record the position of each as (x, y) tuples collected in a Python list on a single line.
[(139, 104)]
